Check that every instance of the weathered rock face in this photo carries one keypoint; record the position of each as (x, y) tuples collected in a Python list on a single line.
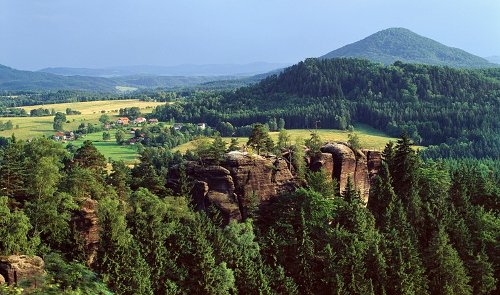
[(374, 163), (2, 280), (16, 269), (86, 225), (322, 161), (348, 164), (240, 182), (245, 181)]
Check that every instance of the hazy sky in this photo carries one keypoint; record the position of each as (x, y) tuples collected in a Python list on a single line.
[(99, 33)]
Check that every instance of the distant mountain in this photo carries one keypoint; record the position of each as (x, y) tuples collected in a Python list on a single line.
[(493, 59), (394, 44), (179, 70), (12, 79)]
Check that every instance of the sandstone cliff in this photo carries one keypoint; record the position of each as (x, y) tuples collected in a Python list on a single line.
[(86, 227), (238, 184), (22, 269), (242, 181), (341, 162)]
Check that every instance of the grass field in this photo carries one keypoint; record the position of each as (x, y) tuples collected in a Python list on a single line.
[(370, 138), (110, 149), (30, 127)]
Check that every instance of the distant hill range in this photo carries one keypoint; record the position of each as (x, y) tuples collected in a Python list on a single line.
[(401, 44), (187, 70), (12, 79)]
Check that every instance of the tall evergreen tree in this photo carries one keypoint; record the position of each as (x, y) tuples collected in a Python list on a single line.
[(445, 269)]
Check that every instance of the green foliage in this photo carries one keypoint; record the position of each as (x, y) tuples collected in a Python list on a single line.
[(446, 271), (59, 120), (259, 139), (120, 136), (353, 141), (14, 228), (314, 144), (405, 45)]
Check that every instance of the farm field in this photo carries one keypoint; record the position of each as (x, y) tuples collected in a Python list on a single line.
[(109, 148), (30, 127), (370, 138)]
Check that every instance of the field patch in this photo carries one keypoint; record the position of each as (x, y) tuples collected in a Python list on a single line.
[(110, 149), (370, 138), (31, 127)]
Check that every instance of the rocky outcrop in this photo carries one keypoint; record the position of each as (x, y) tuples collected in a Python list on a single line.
[(86, 225), (322, 161), (22, 270), (244, 181), (2, 280), (347, 164), (240, 182), (374, 163)]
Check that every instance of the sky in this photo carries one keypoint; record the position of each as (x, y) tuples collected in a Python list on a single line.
[(102, 33)]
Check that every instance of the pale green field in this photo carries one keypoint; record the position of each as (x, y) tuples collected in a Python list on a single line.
[(110, 149), (370, 138), (31, 127)]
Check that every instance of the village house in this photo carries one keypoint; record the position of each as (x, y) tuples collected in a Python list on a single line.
[(68, 135), (153, 121), (177, 127), (201, 126), (122, 121), (140, 120)]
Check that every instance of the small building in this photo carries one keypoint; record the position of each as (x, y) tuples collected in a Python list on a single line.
[(140, 120), (153, 121), (68, 135), (201, 126), (122, 121), (59, 136), (177, 127)]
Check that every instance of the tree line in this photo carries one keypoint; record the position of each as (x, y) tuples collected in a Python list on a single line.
[(428, 228), (453, 110)]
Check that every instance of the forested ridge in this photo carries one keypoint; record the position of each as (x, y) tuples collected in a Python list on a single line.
[(455, 110), (428, 228)]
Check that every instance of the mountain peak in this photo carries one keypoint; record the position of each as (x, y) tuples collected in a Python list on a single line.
[(392, 44)]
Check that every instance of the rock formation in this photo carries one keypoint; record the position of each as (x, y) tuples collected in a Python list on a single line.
[(240, 182), (341, 162), (22, 270), (244, 181), (86, 225)]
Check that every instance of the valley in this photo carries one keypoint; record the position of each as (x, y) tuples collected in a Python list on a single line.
[(236, 147)]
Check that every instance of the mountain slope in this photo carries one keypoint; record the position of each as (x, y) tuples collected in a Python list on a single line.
[(179, 70), (12, 79), (394, 44)]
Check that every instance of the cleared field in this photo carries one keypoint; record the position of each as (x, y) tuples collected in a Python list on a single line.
[(110, 149), (95, 107), (370, 138), (30, 127)]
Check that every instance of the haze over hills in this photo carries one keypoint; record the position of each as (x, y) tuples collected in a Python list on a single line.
[(390, 45), (386, 46), (12, 79), (178, 70)]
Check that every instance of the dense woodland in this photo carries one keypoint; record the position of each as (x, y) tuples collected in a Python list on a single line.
[(428, 228), (455, 110)]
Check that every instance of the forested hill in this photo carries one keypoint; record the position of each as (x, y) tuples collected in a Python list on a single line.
[(395, 44), (12, 79), (456, 109)]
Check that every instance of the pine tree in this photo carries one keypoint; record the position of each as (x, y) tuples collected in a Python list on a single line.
[(119, 259), (446, 272), (260, 140)]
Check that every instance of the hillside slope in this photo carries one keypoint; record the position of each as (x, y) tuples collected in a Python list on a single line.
[(401, 44), (12, 79)]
